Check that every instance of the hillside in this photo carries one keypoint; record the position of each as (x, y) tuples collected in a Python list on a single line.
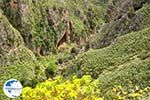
[(76, 50)]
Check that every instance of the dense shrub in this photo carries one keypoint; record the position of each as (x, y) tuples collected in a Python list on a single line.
[(127, 59), (58, 89), (84, 88), (120, 93), (124, 49)]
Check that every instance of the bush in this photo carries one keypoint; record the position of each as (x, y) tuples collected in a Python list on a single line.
[(120, 93), (124, 49), (58, 89)]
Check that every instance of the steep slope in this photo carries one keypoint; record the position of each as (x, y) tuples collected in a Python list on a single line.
[(125, 63), (43, 24), (124, 17), (13, 53), (31, 27), (17, 61), (64, 30), (11, 44)]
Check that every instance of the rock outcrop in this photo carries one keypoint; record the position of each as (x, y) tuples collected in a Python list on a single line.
[(122, 17), (12, 44), (43, 24)]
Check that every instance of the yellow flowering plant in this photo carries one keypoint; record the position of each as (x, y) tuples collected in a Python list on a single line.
[(58, 89)]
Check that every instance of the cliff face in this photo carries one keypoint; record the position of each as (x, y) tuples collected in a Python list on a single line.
[(12, 44), (122, 17), (43, 24)]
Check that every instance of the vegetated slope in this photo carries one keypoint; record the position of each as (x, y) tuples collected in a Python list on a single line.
[(127, 18), (17, 61), (122, 69), (125, 62), (38, 25), (33, 27), (12, 53), (12, 48), (43, 23)]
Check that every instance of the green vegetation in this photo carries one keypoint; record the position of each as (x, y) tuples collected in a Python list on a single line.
[(127, 59), (29, 72), (36, 21), (124, 49), (76, 49), (59, 89), (84, 88), (119, 93), (130, 21)]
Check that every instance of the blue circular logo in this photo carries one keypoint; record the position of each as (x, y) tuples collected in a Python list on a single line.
[(12, 88)]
